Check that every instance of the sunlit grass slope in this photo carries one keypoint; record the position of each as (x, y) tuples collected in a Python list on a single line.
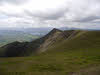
[(77, 53)]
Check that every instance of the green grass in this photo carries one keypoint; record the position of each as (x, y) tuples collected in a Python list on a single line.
[(82, 52)]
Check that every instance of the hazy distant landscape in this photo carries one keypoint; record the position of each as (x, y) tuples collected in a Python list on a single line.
[(8, 36)]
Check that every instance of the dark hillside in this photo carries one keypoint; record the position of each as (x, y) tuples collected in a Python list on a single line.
[(14, 49)]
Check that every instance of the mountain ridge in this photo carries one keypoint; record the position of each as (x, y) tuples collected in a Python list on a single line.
[(36, 46), (55, 36)]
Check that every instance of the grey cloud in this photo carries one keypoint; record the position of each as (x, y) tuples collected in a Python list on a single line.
[(87, 12), (88, 19), (50, 15)]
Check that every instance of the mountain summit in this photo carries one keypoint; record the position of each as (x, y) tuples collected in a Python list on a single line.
[(56, 30)]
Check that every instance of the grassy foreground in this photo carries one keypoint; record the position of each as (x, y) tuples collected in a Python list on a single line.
[(78, 54)]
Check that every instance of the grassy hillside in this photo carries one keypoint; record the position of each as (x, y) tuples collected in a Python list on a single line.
[(77, 55)]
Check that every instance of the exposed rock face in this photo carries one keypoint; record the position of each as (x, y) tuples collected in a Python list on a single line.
[(55, 36), (40, 45), (36, 46)]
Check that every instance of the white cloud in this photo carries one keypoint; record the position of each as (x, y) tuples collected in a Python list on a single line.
[(50, 13)]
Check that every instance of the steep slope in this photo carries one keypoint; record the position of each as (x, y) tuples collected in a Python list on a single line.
[(35, 45), (55, 36), (82, 40)]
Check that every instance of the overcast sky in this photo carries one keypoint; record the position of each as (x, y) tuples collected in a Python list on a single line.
[(50, 13)]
